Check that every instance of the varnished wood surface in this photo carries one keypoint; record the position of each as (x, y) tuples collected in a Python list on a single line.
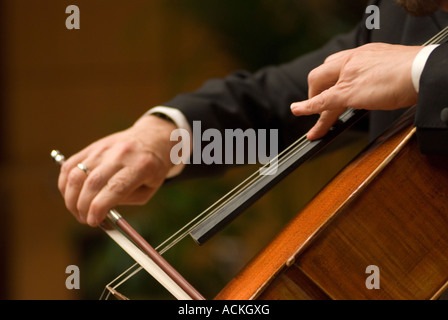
[(400, 225), (387, 208)]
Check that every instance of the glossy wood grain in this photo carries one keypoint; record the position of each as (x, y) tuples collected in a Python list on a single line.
[(388, 208)]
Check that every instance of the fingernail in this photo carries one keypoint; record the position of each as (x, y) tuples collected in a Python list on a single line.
[(310, 136), (295, 106)]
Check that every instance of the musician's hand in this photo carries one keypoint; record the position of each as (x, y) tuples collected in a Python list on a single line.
[(373, 76), (124, 168)]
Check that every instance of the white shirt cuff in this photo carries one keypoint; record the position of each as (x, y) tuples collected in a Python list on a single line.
[(181, 122), (419, 64)]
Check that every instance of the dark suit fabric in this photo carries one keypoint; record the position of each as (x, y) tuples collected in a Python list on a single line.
[(262, 99)]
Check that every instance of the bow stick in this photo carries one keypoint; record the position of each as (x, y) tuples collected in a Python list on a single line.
[(142, 252)]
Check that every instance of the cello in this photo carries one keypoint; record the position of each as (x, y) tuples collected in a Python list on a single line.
[(388, 208)]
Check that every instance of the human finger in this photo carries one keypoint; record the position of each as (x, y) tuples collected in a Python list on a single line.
[(72, 188), (121, 189), (322, 78), (326, 120), (95, 181), (66, 169), (330, 99), (327, 74)]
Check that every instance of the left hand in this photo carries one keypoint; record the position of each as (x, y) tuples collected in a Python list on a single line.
[(375, 76)]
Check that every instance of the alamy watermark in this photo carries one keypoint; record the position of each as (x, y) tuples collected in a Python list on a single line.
[(373, 280), (233, 146), (73, 20), (73, 280), (373, 20)]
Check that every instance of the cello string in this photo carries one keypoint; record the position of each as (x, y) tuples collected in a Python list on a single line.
[(114, 286), (438, 38), (284, 157), (184, 231), (241, 188)]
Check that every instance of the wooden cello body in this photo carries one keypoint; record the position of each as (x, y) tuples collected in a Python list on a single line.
[(388, 209)]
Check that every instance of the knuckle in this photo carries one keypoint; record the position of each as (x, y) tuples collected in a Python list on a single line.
[(75, 178), (313, 75), (124, 148), (149, 166), (147, 163), (65, 169), (351, 69), (118, 185), (94, 180), (320, 103)]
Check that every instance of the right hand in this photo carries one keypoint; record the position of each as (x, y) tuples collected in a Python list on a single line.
[(124, 168)]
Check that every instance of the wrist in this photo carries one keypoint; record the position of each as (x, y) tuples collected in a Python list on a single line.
[(176, 117), (154, 132)]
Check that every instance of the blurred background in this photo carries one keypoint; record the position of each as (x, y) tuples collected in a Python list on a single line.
[(65, 88)]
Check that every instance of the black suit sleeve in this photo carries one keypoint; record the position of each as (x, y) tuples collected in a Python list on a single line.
[(431, 118), (260, 100)]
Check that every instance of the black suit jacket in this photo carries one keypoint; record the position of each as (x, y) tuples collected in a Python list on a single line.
[(262, 100)]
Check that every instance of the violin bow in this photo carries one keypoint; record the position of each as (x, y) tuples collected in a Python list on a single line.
[(117, 228)]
